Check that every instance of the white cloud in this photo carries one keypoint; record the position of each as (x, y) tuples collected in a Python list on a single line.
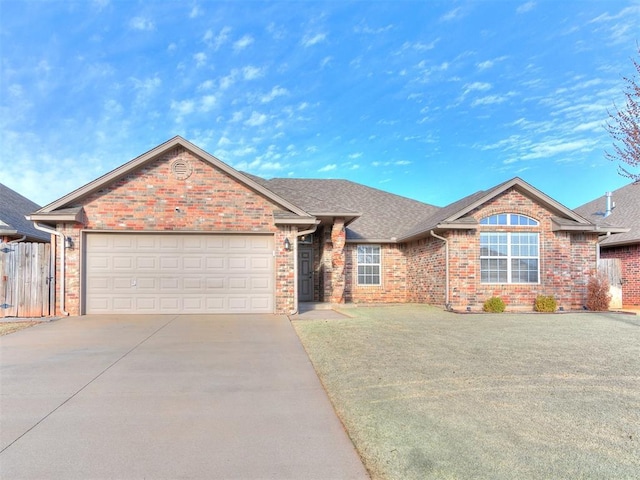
[(182, 108), (353, 156), (200, 58), (251, 73), (490, 63), (594, 126), (364, 28), (243, 151), (206, 85), (328, 168), (310, 40), (402, 162), (141, 23), (476, 87), (242, 43), (554, 147), (273, 94), (236, 117), (451, 15), (491, 99), (256, 119), (227, 81), (146, 87), (208, 102), (195, 12), (526, 7), (216, 41)]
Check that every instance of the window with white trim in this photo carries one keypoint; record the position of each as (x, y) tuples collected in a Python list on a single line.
[(509, 257), (369, 265)]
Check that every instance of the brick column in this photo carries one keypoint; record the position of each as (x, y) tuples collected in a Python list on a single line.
[(338, 238)]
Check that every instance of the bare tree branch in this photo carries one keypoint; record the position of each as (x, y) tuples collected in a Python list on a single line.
[(624, 128)]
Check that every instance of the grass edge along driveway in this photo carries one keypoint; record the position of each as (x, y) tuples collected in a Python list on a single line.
[(430, 394)]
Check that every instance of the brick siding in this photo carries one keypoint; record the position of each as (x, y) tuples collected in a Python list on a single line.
[(393, 287), (566, 260), (153, 199), (629, 256)]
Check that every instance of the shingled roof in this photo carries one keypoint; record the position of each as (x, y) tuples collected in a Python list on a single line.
[(12, 211), (374, 215), (626, 213)]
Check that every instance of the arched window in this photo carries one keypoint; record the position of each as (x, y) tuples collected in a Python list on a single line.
[(509, 257), (509, 219)]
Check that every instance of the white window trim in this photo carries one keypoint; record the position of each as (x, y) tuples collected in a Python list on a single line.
[(379, 265), (510, 257)]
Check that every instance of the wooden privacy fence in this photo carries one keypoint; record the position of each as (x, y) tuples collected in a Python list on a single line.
[(25, 279), (612, 268)]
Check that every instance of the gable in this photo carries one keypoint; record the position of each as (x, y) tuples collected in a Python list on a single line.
[(463, 214), (178, 190), (158, 161)]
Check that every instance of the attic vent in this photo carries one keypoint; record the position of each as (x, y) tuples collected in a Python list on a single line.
[(181, 169)]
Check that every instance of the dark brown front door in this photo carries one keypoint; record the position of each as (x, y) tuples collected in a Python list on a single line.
[(305, 273)]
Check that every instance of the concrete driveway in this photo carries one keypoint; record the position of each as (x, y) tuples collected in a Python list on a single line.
[(134, 397)]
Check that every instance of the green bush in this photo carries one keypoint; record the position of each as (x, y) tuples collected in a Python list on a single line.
[(493, 305), (545, 303), (598, 297)]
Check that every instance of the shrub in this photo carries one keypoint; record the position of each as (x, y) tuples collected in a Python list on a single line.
[(598, 296), (493, 305), (545, 303)]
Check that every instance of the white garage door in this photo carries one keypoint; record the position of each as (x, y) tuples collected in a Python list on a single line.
[(178, 273)]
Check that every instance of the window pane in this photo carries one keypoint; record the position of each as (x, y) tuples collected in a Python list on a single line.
[(368, 265)]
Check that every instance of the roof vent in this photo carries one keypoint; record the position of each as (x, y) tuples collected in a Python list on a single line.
[(181, 169)]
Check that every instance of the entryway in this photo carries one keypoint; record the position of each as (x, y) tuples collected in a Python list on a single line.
[(305, 272)]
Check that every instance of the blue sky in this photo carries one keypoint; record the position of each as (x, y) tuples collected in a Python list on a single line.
[(430, 100)]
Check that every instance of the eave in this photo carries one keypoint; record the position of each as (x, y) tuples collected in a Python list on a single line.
[(68, 215)]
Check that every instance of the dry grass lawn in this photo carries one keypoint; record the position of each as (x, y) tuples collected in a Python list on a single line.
[(9, 327), (427, 394)]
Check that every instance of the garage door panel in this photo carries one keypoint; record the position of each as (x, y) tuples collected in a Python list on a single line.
[(174, 273), (146, 263)]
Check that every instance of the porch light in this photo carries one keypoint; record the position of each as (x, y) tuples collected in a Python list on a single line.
[(68, 242), (287, 244)]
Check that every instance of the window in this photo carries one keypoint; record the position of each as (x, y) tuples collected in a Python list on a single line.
[(508, 219), (509, 257), (368, 265)]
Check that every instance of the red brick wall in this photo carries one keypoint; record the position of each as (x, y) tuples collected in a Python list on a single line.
[(566, 261), (393, 288), (629, 256), (426, 271), (207, 201)]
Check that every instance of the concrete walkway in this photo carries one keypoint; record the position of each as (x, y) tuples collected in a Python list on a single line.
[(197, 397)]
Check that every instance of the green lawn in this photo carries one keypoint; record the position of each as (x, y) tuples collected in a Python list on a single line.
[(428, 394)]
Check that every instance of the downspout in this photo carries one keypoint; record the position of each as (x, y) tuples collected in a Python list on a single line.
[(601, 239), (63, 242), (295, 265), (18, 240), (447, 305)]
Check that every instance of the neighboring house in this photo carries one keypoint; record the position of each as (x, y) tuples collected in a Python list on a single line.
[(177, 230), (13, 224), (622, 207)]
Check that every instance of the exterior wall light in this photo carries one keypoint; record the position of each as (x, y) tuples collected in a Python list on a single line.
[(287, 244), (68, 242)]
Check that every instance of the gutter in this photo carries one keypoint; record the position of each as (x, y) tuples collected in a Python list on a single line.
[(18, 240), (295, 265), (447, 305), (60, 235)]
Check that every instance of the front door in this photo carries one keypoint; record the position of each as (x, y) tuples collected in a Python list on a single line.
[(305, 273)]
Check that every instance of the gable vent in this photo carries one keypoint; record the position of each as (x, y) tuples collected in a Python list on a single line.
[(181, 169)]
